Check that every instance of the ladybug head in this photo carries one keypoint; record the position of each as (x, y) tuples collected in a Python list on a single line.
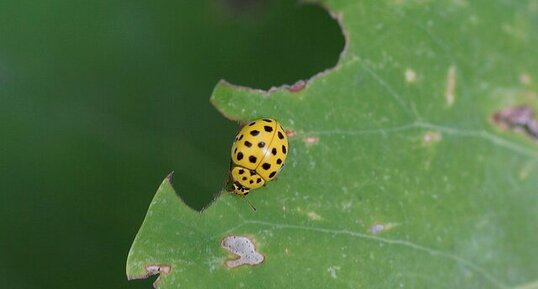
[(239, 189)]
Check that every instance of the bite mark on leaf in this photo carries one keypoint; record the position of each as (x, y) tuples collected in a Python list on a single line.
[(297, 86), (170, 177), (153, 269), (343, 60), (517, 118), (450, 92), (157, 269), (242, 247)]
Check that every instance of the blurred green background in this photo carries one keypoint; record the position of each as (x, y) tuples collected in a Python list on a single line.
[(100, 100)]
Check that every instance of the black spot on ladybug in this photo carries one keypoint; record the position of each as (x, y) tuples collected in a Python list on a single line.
[(284, 149), (267, 128), (244, 178), (254, 133), (252, 159), (252, 173), (267, 120), (279, 161), (239, 156), (241, 171), (240, 137), (248, 144), (235, 150), (280, 135), (266, 166), (258, 181), (272, 174), (252, 123), (261, 144), (251, 181), (273, 151)]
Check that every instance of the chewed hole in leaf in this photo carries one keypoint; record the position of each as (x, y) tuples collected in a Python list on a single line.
[(287, 34), (290, 30)]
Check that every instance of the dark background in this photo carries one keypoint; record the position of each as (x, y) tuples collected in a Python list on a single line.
[(100, 100)]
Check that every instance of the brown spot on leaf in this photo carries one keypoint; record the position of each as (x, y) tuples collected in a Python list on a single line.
[(152, 269), (170, 177), (156, 269), (518, 118), (290, 133)]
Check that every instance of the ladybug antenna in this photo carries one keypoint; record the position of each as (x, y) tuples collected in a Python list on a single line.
[(250, 205)]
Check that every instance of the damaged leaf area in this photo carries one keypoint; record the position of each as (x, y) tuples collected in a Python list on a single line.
[(518, 118), (244, 249), (397, 176)]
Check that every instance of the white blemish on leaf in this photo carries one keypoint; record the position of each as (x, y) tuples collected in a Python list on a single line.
[(410, 75), (311, 140), (313, 216), (431, 137), (450, 92), (380, 227), (242, 247), (332, 271), (525, 79)]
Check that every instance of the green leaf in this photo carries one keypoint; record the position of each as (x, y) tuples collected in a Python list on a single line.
[(397, 177)]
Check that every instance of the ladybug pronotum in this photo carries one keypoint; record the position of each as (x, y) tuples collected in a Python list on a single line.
[(258, 153)]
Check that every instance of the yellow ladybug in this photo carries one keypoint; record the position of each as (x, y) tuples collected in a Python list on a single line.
[(258, 153)]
